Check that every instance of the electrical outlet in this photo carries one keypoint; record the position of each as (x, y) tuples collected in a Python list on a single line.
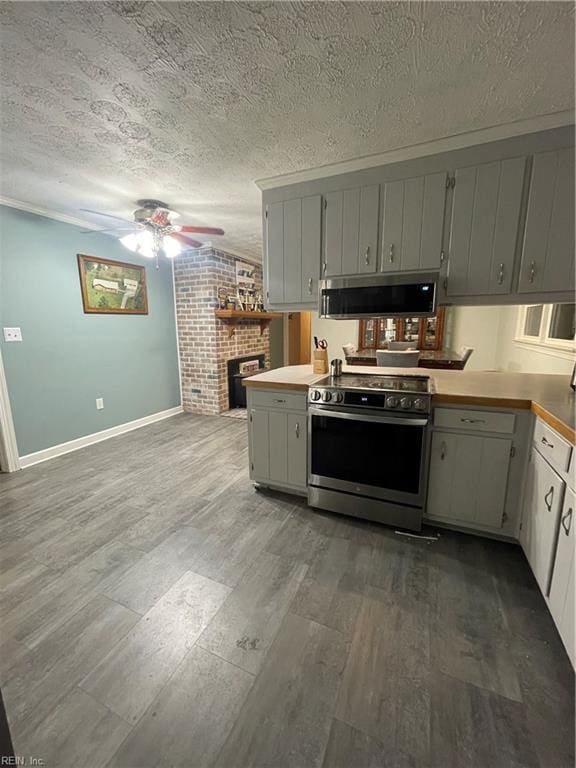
[(12, 334), (99, 403)]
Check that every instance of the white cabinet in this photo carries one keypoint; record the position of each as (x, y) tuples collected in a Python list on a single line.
[(561, 598), (543, 503), (484, 227), (548, 253), (293, 252), (351, 231), (412, 223), (468, 479), (278, 439)]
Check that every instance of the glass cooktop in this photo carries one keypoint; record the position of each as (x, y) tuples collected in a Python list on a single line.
[(382, 383)]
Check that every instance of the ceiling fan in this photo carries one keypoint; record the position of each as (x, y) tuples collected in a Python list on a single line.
[(153, 230)]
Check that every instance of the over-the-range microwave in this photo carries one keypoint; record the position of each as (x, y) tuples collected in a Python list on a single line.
[(405, 295)]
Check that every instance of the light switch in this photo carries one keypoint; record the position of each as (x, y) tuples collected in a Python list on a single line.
[(99, 403), (12, 334)]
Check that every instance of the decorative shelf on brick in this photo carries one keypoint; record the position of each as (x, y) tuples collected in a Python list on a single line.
[(234, 316)]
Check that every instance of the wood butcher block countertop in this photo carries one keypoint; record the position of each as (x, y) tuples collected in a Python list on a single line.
[(548, 396)]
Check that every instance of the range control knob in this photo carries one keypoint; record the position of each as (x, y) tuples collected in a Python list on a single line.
[(420, 404), (405, 402), (391, 402), (326, 396), (315, 395), (339, 397)]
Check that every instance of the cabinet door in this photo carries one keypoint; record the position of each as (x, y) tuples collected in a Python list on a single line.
[(292, 251), (297, 457), (392, 213), (412, 223), (275, 253), (484, 227), (543, 502), (468, 478), (258, 429), (368, 229), (278, 446), (351, 231), (561, 598), (311, 246), (548, 253)]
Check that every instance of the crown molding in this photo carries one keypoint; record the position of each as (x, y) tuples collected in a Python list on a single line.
[(447, 144), (48, 213)]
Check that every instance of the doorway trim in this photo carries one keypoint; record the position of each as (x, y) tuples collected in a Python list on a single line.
[(9, 459)]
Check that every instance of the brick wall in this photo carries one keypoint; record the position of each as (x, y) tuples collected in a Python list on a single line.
[(205, 346)]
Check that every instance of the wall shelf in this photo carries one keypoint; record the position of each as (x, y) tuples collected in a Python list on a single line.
[(234, 316)]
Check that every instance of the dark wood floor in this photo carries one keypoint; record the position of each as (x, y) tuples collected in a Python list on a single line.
[(158, 611)]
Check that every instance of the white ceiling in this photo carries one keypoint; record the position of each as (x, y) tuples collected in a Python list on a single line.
[(107, 102)]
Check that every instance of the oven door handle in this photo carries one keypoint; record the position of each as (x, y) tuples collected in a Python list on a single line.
[(405, 421)]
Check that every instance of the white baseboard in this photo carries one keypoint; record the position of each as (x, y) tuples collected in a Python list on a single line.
[(96, 437)]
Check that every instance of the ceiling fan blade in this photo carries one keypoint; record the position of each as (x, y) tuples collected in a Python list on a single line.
[(106, 231), (186, 240), (201, 230), (107, 215)]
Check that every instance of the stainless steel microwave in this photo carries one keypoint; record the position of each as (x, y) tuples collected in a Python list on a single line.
[(404, 295)]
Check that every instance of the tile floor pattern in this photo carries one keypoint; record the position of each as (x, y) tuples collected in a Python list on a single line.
[(158, 611)]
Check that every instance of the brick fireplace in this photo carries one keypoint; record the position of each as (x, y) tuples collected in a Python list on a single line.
[(205, 344)]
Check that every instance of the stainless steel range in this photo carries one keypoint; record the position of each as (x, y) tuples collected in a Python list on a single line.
[(368, 447)]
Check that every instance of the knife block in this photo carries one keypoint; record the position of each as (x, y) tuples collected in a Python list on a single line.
[(320, 361)]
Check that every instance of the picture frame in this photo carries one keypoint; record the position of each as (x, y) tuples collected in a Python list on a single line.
[(112, 287)]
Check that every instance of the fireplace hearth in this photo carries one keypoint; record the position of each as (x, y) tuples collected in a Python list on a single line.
[(238, 369)]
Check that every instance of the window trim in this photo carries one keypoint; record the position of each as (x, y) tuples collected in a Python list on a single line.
[(543, 342)]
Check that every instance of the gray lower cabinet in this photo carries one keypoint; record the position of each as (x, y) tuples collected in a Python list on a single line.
[(468, 479), (484, 228), (542, 506), (562, 597), (351, 231), (412, 223), (548, 253), (293, 252), (278, 440)]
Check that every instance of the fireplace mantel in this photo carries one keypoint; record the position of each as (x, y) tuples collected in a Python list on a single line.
[(234, 316)]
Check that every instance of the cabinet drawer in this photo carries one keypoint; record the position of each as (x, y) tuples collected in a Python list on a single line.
[(554, 448), (278, 398), (474, 421)]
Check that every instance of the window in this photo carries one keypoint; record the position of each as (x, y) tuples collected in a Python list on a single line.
[(550, 326)]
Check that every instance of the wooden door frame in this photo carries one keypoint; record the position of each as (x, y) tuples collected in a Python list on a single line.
[(9, 458)]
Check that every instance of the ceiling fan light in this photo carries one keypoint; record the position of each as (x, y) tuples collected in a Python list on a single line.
[(171, 247), (130, 241)]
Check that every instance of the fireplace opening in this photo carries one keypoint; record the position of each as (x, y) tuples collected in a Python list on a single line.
[(239, 368)]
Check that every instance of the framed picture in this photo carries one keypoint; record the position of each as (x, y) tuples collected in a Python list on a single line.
[(245, 275), (112, 287)]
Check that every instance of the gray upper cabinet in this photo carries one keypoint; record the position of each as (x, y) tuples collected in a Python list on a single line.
[(351, 231), (484, 227), (293, 250), (412, 223), (548, 253)]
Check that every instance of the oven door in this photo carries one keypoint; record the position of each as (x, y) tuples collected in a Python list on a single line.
[(369, 454)]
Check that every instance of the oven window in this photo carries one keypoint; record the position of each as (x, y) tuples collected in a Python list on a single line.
[(387, 456)]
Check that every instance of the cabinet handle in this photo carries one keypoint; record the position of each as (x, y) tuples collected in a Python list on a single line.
[(278, 400), (391, 253), (297, 429), (567, 516), (309, 285), (473, 421), (501, 274), (324, 266), (532, 271), (443, 451), (551, 494), (546, 442), (367, 255)]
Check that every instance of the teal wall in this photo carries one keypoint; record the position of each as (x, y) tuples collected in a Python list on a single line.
[(67, 358)]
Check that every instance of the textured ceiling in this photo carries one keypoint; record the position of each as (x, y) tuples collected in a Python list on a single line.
[(107, 102)]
